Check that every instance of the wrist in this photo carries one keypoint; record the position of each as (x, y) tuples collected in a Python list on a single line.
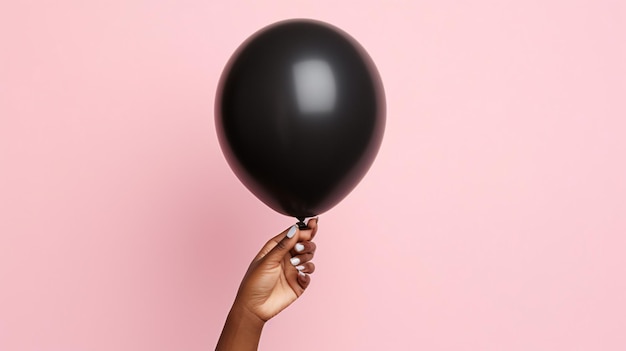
[(240, 312), (242, 330)]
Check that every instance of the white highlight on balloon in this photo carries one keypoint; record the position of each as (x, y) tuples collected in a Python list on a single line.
[(316, 89)]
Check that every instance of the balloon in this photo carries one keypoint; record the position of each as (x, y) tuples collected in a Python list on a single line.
[(300, 115)]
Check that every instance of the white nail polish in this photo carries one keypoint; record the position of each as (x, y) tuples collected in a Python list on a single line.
[(292, 231), (295, 261), (299, 247), (301, 267), (302, 274)]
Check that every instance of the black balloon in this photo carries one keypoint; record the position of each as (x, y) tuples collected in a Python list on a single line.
[(300, 115)]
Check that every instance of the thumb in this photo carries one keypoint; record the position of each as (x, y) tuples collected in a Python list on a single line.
[(289, 240)]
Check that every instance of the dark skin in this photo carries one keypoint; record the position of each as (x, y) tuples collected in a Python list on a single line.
[(278, 275)]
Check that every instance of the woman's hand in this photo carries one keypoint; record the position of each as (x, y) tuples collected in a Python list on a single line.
[(277, 276), (279, 273)]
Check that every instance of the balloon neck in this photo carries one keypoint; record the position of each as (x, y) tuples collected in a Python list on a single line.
[(301, 224)]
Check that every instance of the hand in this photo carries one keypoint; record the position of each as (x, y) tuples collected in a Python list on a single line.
[(279, 273), (277, 276)]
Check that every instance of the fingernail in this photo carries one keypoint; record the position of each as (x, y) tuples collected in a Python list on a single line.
[(300, 267), (292, 231), (302, 274), (299, 247), (294, 261)]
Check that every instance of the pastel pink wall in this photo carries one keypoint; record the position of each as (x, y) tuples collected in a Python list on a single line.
[(494, 217)]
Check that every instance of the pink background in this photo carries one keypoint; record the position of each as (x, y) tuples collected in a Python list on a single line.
[(494, 217)]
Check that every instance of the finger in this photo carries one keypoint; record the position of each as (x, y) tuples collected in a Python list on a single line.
[(303, 247), (289, 239), (300, 259), (312, 224), (307, 267), (305, 234), (303, 280), (270, 244), (309, 232)]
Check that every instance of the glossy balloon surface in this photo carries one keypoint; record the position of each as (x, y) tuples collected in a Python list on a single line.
[(300, 115)]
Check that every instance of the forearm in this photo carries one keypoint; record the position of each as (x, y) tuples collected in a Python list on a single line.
[(242, 331)]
